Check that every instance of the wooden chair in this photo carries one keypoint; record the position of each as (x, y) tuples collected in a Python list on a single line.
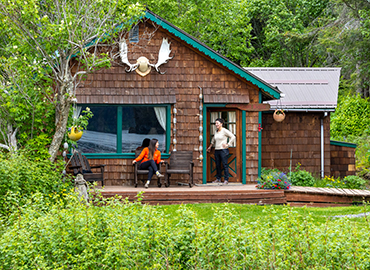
[(181, 162), (137, 171), (80, 165)]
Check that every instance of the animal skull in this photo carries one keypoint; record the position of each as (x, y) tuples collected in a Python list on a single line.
[(143, 66)]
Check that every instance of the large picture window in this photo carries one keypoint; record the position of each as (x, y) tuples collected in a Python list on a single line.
[(122, 129)]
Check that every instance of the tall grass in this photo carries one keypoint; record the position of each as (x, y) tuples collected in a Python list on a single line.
[(116, 235)]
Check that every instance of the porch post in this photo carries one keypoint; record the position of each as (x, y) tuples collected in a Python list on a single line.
[(204, 144), (259, 136), (244, 148)]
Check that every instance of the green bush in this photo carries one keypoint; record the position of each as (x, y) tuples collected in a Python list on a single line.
[(352, 117), (354, 182), (21, 177), (300, 177), (134, 236)]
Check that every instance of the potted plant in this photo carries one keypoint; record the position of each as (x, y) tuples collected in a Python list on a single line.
[(79, 124), (279, 115)]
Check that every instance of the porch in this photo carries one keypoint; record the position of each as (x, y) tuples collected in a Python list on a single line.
[(242, 194)]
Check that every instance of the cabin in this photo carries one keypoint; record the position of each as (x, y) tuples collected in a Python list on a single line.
[(309, 97), (165, 84)]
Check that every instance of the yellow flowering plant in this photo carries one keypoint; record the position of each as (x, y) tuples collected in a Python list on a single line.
[(80, 122)]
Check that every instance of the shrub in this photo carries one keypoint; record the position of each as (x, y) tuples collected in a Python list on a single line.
[(122, 235), (21, 177), (330, 182), (273, 180), (300, 177), (354, 182)]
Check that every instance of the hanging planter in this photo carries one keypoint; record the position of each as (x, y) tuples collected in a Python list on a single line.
[(279, 115), (74, 133)]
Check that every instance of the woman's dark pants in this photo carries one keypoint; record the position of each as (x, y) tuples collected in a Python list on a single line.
[(222, 156), (149, 165)]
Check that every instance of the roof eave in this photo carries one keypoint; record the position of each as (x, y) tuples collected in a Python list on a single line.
[(269, 90)]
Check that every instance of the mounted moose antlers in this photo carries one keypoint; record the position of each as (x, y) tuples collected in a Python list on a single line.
[(142, 65)]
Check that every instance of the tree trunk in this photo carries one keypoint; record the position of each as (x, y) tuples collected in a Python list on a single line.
[(11, 136), (61, 117)]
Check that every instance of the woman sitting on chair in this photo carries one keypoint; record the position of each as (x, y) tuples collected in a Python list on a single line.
[(151, 157)]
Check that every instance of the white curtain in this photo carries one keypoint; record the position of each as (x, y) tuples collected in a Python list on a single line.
[(76, 112), (214, 116), (160, 112), (232, 126)]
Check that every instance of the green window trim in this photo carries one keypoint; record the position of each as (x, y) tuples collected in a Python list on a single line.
[(119, 153)]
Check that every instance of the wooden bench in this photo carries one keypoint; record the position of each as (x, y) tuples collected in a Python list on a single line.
[(80, 165), (181, 162), (137, 171)]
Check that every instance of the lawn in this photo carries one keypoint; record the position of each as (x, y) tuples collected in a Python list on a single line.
[(251, 213)]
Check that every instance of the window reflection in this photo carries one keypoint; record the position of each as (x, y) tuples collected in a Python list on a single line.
[(138, 123)]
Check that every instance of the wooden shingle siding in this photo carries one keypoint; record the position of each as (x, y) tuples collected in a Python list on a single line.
[(342, 161), (298, 135), (179, 85)]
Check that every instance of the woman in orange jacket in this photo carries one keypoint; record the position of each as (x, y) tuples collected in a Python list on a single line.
[(150, 158)]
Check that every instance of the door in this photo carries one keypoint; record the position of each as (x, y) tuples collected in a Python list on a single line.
[(232, 123)]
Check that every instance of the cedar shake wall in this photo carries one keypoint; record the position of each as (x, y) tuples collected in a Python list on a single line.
[(252, 141), (299, 132), (342, 160), (184, 73)]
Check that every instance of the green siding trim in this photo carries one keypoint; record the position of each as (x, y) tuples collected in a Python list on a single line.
[(345, 144), (119, 129), (244, 147), (204, 180), (119, 153), (260, 138), (205, 143), (209, 52)]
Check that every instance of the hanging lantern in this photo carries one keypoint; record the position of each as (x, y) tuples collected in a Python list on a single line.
[(64, 154), (174, 110), (65, 145), (200, 96), (174, 120), (200, 129), (174, 141), (200, 148), (201, 157), (200, 138), (74, 134), (200, 117)]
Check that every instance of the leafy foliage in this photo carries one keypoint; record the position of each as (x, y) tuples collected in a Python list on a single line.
[(352, 117), (21, 177), (301, 177), (48, 34), (355, 182), (135, 236)]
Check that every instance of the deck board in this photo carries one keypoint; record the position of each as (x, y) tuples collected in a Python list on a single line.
[(243, 194)]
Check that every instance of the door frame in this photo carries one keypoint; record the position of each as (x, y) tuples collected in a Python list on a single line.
[(242, 150)]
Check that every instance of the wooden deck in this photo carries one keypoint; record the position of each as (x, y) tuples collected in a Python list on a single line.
[(243, 194)]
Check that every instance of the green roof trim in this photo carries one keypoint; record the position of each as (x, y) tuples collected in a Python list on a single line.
[(270, 90), (346, 144)]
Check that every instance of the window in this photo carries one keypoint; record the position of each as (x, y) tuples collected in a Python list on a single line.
[(134, 34), (230, 122), (121, 129)]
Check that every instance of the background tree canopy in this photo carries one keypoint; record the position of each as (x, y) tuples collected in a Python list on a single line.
[(40, 37)]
